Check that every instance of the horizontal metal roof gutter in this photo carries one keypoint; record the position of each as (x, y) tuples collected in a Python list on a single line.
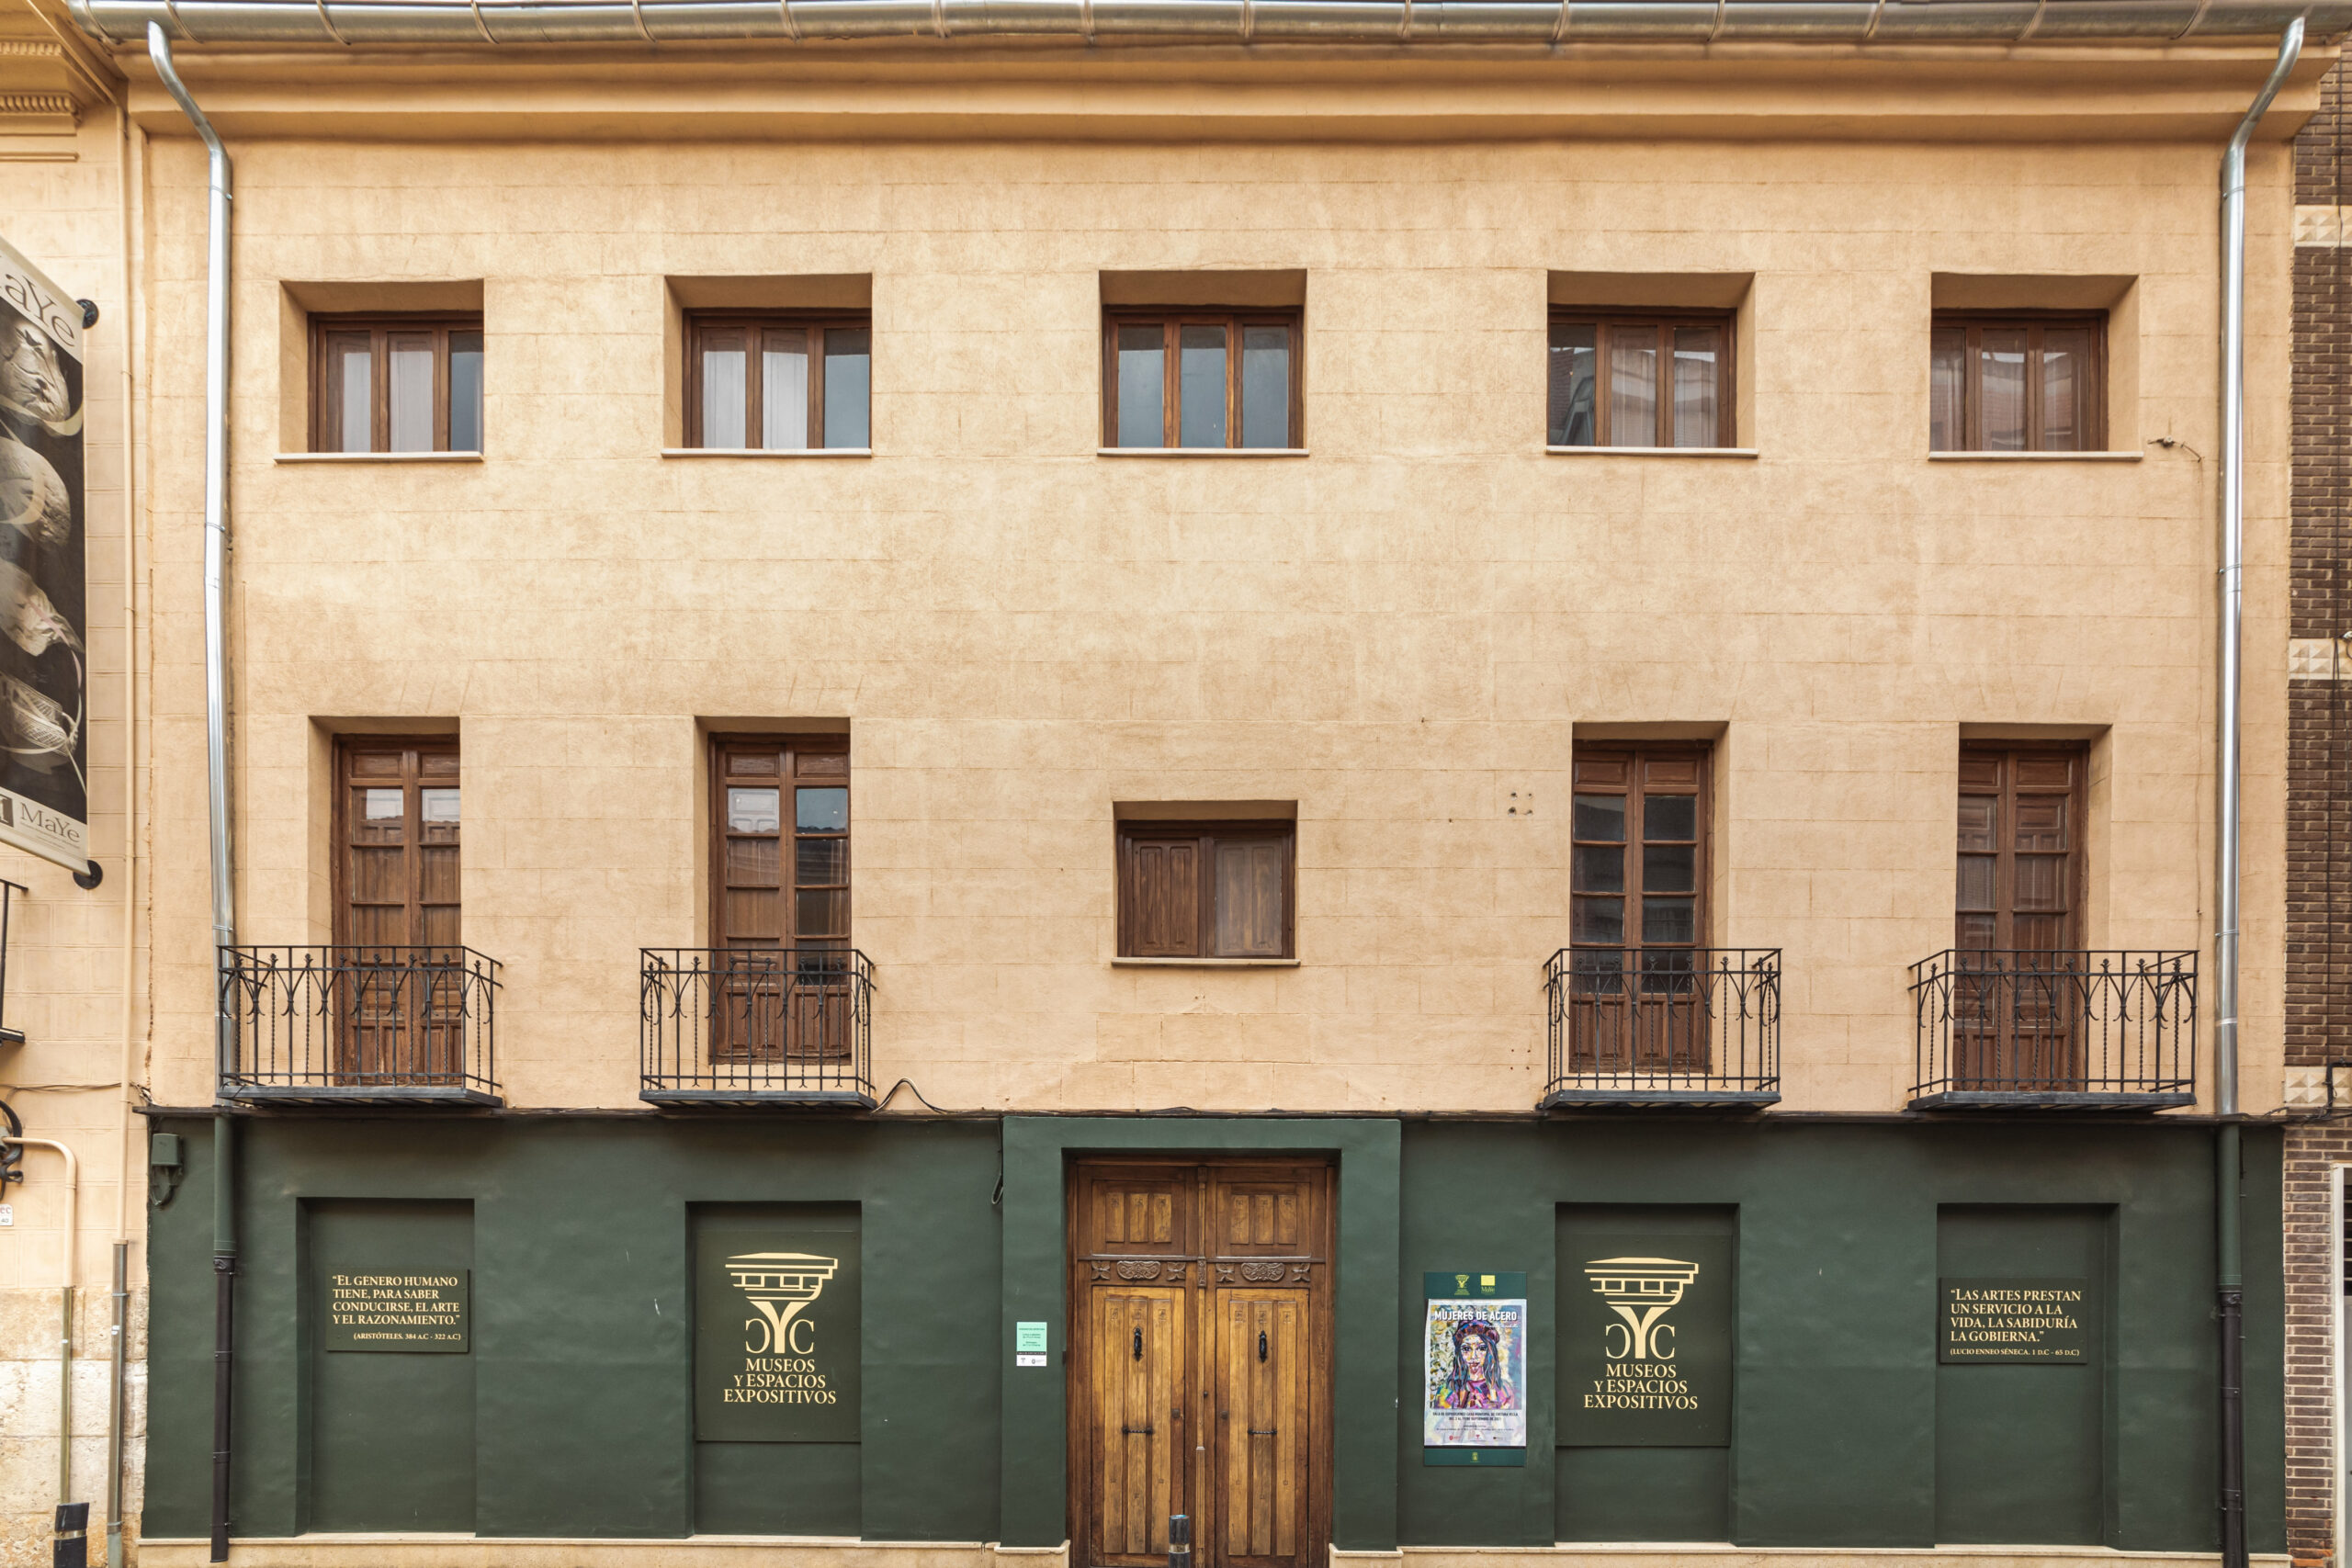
[(443, 23)]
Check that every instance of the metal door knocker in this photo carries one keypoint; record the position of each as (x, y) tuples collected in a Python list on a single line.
[(1138, 1344), (1261, 1344)]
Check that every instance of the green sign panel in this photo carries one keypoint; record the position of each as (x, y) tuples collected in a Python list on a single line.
[(776, 1326), (1644, 1339), (2015, 1320), (394, 1310)]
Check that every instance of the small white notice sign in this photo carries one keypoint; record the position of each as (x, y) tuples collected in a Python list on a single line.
[(7, 1215), (1027, 1360)]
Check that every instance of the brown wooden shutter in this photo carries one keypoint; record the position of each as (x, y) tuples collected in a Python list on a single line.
[(2020, 862), (398, 822), (1195, 890), (1161, 901)]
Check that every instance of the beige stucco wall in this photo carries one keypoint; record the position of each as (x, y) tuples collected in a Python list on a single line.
[(61, 203), (1397, 631)]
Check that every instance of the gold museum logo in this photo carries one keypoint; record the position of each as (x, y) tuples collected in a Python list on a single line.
[(1640, 1291), (780, 1285)]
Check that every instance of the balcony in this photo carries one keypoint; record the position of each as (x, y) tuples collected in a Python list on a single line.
[(2055, 1031), (1693, 1027), (359, 1026), (754, 1027)]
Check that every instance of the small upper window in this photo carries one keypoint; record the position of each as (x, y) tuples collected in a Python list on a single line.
[(779, 383), (2017, 383), (1646, 380), (1205, 890), (1201, 378), (408, 383)]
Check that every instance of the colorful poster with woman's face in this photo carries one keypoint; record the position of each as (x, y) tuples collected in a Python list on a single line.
[(1475, 1375)]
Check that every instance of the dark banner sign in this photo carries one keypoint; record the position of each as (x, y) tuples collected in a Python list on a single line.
[(44, 620), (394, 1310), (1646, 1338), (2015, 1320), (776, 1326)]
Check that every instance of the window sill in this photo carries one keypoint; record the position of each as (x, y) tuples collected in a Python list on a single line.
[(379, 457), (1205, 964), (1200, 452), (767, 452), (1650, 451), (2034, 457)]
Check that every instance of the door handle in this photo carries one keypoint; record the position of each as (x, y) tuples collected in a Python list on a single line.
[(1138, 1344), (1261, 1344)]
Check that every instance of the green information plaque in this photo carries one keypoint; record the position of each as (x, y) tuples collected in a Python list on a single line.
[(2014, 1320), (776, 1326), (1645, 1339), (394, 1310)]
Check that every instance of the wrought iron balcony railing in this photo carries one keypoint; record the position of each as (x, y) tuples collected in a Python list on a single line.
[(1663, 1026), (756, 1026), (2096, 1029), (359, 1025)]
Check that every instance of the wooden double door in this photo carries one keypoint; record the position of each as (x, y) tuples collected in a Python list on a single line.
[(1200, 1365)]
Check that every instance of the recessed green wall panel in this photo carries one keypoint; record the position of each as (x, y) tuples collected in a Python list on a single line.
[(776, 1489), (1645, 1493)]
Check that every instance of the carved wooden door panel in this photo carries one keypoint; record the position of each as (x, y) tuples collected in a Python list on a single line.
[(1200, 1374)]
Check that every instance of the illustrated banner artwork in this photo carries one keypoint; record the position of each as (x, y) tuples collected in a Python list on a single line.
[(2015, 1320), (777, 1317), (1473, 1369), (1646, 1344), (395, 1310), (44, 619)]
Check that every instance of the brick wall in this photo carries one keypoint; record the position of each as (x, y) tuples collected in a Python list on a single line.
[(2319, 803)]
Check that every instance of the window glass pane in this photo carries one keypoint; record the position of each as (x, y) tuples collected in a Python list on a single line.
[(351, 370), (1670, 817), (1600, 921), (1600, 817), (1200, 396), (751, 811), (1142, 387), (848, 384), (1250, 898), (1947, 370), (1633, 386), (437, 804), (820, 810), (1698, 355), (1599, 868), (821, 862), (2001, 364), (2066, 388), (1669, 868), (1571, 374), (410, 403), (465, 392), (722, 395), (1669, 920), (380, 804), (820, 914), (784, 390), (1265, 385)]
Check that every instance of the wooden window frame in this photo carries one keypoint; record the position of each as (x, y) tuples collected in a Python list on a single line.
[(326, 392), (1972, 324), (789, 749), (813, 325), (1604, 321), (1208, 835), (1172, 319), (1636, 800), (2004, 849), (411, 784)]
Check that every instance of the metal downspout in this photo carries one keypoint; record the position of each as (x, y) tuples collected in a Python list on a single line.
[(216, 745), (2229, 1283)]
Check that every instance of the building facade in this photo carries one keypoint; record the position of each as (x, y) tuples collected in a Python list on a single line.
[(1415, 795)]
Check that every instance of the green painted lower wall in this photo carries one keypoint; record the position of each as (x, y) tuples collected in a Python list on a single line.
[(1843, 1431)]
